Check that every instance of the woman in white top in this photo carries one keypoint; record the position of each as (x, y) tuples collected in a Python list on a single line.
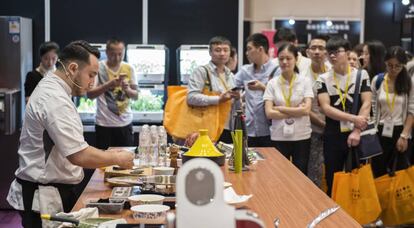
[(393, 108), (288, 99)]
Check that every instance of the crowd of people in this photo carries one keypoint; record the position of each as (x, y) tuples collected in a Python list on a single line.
[(301, 103)]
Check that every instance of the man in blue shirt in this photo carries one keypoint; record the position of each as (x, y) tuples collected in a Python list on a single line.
[(254, 77)]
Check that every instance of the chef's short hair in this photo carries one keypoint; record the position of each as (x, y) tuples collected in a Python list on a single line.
[(79, 51)]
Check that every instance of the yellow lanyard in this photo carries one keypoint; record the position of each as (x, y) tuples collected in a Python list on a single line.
[(222, 81), (341, 95), (315, 76), (282, 82), (390, 105)]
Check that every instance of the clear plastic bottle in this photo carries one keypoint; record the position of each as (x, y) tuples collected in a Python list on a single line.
[(144, 146), (154, 146), (162, 148)]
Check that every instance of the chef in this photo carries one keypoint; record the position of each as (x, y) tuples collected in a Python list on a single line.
[(52, 148)]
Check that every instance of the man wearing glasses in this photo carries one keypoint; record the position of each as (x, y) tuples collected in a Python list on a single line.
[(316, 51), (335, 94)]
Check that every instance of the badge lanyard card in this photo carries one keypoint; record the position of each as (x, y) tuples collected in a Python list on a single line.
[(345, 126), (388, 128), (289, 123)]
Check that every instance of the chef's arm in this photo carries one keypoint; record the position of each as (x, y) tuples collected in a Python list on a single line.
[(92, 157)]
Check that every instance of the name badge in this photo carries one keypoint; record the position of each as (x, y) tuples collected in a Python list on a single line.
[(289, 127), (346, 126), (388, 128)]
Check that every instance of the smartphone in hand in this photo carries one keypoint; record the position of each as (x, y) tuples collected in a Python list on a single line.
[(251, 82), (234, 89), (122, 76)]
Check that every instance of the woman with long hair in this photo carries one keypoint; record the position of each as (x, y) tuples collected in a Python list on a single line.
[(373, 54), (393, 108)]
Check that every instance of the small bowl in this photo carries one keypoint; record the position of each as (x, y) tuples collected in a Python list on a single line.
[(145, 199), (150, 212), (163, 171)]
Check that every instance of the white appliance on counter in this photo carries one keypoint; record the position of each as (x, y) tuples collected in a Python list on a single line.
[(150, 63), (190, 57)]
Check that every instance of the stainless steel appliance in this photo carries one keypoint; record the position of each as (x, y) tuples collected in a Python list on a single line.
[(16, 59), (9, 109)]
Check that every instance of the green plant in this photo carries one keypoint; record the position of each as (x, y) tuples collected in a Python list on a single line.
[(86, 105), (147, 102)]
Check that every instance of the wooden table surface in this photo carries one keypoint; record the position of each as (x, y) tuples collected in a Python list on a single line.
[(279, 190)]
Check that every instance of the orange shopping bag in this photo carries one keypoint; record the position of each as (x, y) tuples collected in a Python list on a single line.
[(181, 119), (354, 190), (396, 194)]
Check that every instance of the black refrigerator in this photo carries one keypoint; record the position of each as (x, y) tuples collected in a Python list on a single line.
[(15, 61)]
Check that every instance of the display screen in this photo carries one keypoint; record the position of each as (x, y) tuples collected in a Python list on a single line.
[(147, 61), (191, 59)]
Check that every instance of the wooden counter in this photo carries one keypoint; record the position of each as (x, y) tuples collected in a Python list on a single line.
[(279, 190)]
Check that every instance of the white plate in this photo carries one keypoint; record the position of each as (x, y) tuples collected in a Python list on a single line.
[(239, 201), (231, 197)]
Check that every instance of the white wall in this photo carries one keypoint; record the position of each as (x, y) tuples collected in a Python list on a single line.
[(261, 12)]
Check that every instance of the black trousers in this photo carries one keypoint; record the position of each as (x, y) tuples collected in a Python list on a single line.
[(259, 141), (335, 150), (114, 136), (32, 219), (381, 162), (297, 150)]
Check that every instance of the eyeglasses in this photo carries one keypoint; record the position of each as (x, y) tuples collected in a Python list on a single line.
[(395, 67), (335, 52)]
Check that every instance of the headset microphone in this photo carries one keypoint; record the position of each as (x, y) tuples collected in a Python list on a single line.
[(74, 83), (70, 79)]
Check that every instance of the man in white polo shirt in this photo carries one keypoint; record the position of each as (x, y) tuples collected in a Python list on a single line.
[(52, 148), (286, 35)]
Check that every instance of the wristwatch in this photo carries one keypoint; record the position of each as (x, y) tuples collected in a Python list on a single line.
[(404, 136)]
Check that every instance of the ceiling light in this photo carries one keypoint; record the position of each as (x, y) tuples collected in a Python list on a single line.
[(329, 23)]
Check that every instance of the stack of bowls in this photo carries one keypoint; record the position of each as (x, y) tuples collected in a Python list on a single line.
[(148, 208)]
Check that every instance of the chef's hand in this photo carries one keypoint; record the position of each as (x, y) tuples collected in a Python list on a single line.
[(124, 158)]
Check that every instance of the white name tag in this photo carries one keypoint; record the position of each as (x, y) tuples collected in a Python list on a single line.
[(388, 128), (346, 126), (289, 127)]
